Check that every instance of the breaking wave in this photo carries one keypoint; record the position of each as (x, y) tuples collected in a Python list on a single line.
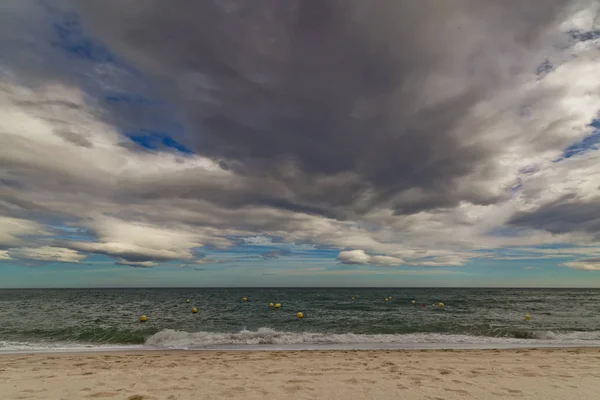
[(169, 338)]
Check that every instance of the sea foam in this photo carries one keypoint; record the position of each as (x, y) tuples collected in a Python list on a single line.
[(169, 338)]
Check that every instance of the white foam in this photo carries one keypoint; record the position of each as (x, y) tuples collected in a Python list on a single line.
[(270, 339), (172, 339), (568, 336), (55, 347)]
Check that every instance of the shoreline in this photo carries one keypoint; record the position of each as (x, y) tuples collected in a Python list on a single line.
[(309, 348), (221, 351), (448, 374)]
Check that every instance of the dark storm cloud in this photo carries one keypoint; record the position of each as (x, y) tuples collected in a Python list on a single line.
[(563, 216), (297, 92)]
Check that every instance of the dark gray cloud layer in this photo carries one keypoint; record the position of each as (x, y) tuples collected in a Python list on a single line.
[(374, 95), (563, 216), (321, 122)]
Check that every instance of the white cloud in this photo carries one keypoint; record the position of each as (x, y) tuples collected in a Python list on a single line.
[(385, 261), (420, 258), (130, 251), (589, 264), (47, 253), (4, 255), (448, 261), (119, 236), (354, 257), (360, 257)]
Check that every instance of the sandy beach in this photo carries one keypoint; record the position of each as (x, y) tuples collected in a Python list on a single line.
[(416, 374)]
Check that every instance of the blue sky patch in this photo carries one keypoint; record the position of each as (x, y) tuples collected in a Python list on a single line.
[(588, 143), (584, 36), (544, 69), (157, 141)]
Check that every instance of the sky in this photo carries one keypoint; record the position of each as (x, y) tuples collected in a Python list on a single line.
[(300, 143)]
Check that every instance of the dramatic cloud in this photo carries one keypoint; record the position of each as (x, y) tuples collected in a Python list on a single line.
[(395, 133), (376, 106), (563, 216)]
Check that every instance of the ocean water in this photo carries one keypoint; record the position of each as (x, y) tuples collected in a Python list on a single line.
[(96, 319)]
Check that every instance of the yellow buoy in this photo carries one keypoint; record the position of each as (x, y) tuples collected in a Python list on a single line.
[(277, 305), (244, 299), (270, 304), (386, 299), (143, 318), (441, 304), (527, 317), (353, 298), (187, 301), (300, 315), (413, 302), (194, 310)]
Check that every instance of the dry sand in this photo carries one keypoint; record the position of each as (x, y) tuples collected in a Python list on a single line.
[(429, 374)]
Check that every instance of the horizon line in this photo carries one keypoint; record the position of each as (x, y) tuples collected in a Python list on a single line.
[(299, 287)]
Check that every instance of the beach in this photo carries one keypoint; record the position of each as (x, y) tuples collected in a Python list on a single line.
[(351, 344), (551, 373)]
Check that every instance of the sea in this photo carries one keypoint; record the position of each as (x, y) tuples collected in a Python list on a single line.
[(38, 320)]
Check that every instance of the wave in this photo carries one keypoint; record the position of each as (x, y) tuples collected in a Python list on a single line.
[(533, 334), (88, 335), (272, 339), (169, 338), (559, 336)]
